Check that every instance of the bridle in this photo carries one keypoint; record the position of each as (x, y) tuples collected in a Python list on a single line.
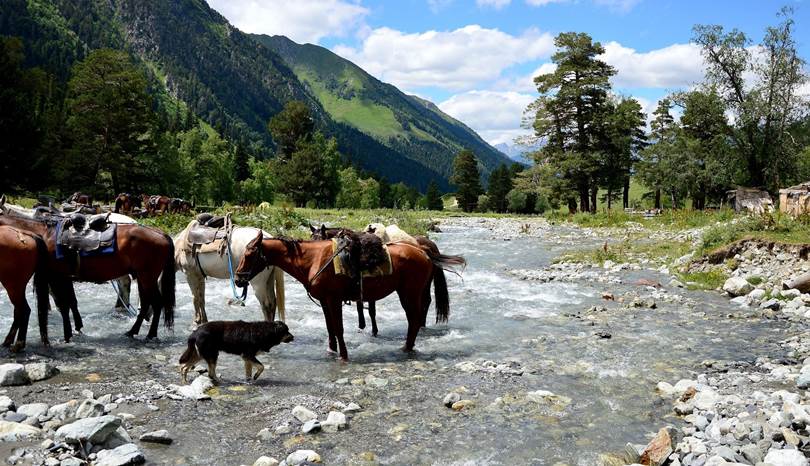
[(261, 263)]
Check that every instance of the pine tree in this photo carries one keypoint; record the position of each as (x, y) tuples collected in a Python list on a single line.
[(240, 162), (288, 127), (433, 199), (468, 180)]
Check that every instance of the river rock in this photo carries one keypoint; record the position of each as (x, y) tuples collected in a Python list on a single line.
[(72, 461), (6, 404), (116, 439), (196, 389), (11, 416), (265, 461), (303, 414), (14, 431), (752, 453), (335, 421), (157, 436), (64, 410), (737, 286), (13, 374), (311, 426), (121, 456), (89, 408), (301, 456), (659, 448), (283, 429), (93, 429), (772, 304), (786, 458), (374, 381), (352, 408), (34, 410), (451, 398), (38, 371)]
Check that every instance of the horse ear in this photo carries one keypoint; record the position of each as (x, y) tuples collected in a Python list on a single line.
[(371, 229), (323, 231), (312, 229), (259, 237)]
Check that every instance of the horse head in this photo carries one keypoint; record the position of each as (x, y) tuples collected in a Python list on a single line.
[(253, 261)]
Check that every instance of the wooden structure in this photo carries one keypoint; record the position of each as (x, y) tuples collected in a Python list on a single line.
[(795, 200), (751, 200)]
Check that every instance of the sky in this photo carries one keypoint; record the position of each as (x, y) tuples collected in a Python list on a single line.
[(476, 58)]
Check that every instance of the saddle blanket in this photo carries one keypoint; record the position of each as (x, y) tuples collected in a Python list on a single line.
[(102, 243), (386, 268)]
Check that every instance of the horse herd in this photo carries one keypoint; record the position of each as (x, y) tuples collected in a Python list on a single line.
[(144, 205), (29, 249)]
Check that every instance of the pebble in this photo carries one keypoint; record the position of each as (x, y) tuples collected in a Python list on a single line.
[(301, 456), (266, 461), (303, 414)]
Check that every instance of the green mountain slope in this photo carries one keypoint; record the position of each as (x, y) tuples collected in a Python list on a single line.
[(232, 82), (413, 126)]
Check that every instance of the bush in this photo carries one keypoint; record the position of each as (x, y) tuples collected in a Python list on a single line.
[(541, 204), (485, 203), (516, 200)]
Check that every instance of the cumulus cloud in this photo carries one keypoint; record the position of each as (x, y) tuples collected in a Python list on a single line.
[(543, 2), (458, 59), (675, 66), (620, 6), (492, 114), (300, 20), (497, 4)]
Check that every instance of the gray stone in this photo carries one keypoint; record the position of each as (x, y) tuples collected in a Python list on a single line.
[(34, 410), (121, 456), (11, 416), (737, 286), (283, 429), (14, 431), (451, 398), (72, 461), (264, 435), (196, 389), (116, 439), (375, 381), (772, 304), (303, 414), (752, 453), (64, 410), (92, 429), (301, 456), (352, 408), (311, 426), (13, 374), (335, 421), (265, 461), (786, 458), (158, 436), (6, 404), (38, 371), (803, 381), (89, 408)]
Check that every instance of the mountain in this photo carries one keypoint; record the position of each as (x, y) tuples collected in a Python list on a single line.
[(515, 152), (194, 56), (412, 126)]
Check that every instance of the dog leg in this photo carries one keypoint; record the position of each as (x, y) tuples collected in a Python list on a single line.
[(260, 367), (212, 372), (248, 368)]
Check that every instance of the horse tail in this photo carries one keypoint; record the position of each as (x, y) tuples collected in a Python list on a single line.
[(189, 353), (41, 277), (442, 296), (278, 278), (167, 285), (445, 261)]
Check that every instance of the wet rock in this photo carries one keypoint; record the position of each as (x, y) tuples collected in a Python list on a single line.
[(301, 456), (157, 436), (14, 431), (335, 421), (786, 458), (311, 426), (737, 286), (352, 408), (121, 456), (13, 374), (92, 429), (265, 461), (34, 410), (659, 448), (772, 304), (451, 398), (374, 381), (89, 408), (545, 396), (462, 404), (11, 416), (39, 371), (303, 414), (64, 410), (6, 404)]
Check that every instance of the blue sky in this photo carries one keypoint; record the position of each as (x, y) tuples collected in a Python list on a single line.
[(475, 58)]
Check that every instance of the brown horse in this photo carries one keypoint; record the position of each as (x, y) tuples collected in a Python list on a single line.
[(156, 204), (308, 262), (24, 255), (81, 199), (178, 205), (143, 252), (125, 202), (440, 281)]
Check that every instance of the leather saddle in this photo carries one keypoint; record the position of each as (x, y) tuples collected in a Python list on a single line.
[(77, 234), (360, 252), (209, 228)]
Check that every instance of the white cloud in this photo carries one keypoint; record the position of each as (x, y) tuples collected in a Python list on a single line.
[(300, 20), (494, 115), (675, 66), (458, 59), (543, 2), (497, 4)]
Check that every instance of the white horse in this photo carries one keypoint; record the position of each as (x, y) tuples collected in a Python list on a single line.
[(268, 285), (390, 234)]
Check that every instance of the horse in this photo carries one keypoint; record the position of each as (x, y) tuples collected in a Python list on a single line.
[(24, 255), (80, 199), (308, 262), (156, 204), (267, 285), (178, 205), (141, 251), (125, 203), (124, 284)]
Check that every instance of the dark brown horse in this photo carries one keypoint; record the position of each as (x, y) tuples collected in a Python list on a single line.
[(81, 199), (309, 263), (125, 202), (440, 281), (24, 255), (143, 252), (178, 205), (156, 204)]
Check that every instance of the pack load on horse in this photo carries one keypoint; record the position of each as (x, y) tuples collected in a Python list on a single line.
[(314, 264), (126, 203), (212, 247), (77, 250), (396, 235), (156, 204), (25, 255)]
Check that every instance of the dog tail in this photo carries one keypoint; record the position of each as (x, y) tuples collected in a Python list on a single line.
[(191, 351)]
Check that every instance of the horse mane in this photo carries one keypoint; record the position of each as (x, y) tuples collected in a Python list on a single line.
[(293, 245)]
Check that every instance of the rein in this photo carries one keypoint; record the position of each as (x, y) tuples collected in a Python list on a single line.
[(325, 265)]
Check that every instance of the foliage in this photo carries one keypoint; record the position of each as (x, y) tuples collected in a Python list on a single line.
[(260, 185), (485, 203), (311, 173), (467, 179), (516, 201), (290, 126), (704, 280), (433, 198)]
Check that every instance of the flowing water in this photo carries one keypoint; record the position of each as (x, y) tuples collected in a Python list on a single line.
[(495, 316)]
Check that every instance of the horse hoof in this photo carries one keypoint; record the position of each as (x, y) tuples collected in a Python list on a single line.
[(152, 339), (331, 351), (17, 347), (129, 335), (405, 349)]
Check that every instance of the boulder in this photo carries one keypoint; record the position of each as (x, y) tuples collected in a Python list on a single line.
[(658, 450), (34, 410), (737, 286), (158, 436), (335, 421), (14, 431), (302, 456), (13, 374), (92, 429), (64, 410), (121, 456), (38, 371), (89, 408), (786, 458)]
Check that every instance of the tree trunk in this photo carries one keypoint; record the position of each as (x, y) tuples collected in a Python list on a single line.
[(626, 193), (583, 199), (572, 205), (594, 191), (658, 198), (610, 197)]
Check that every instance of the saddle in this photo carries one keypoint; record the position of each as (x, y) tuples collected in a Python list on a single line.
[(76, 234), (208, 229), (360, 255)]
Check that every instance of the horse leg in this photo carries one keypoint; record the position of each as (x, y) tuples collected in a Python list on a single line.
[(145, 303), (265, 292), (326, 315), (73, 304), (196, 283), (16, 295), (372, 314), (157, 306), (413, 312), (63, 297), (425, 305), (122, 302), (336, 313), (361, 319)]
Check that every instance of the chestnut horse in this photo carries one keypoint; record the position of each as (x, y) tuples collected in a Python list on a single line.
[(24, 255), (81, 199), (323, 233), (156, 204), (125, 202), (309, 263), (146, 253)]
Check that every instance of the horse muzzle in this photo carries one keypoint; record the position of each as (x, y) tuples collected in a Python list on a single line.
[(242, 279)]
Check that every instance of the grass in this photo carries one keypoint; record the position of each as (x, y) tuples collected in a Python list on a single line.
[(774, 227), (630, 251), (709, 280)]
